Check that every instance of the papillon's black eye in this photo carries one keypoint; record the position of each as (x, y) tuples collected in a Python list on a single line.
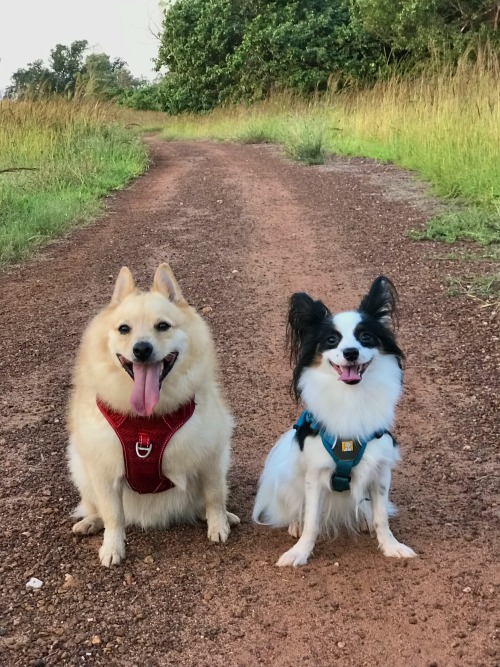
[(366, 338), (124, 329), (163, 326), (333, 340)]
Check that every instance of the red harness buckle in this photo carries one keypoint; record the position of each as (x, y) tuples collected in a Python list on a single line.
[(143, 446)]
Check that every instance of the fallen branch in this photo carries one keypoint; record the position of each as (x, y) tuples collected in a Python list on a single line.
[(3, 171)]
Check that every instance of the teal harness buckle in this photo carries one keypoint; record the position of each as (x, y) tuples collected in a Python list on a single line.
[(345, 452)]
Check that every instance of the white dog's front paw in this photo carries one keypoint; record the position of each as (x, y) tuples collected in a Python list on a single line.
[(112, 551), (294, 557), (89, 525), (397, 550), (218, 527)]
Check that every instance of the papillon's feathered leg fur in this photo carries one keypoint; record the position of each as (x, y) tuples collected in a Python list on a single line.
[(300, 552), (379, 496)]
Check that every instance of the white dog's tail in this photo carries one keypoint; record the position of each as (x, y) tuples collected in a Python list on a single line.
[(280, 496)]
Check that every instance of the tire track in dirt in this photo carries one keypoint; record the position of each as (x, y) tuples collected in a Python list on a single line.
[(243, 229)]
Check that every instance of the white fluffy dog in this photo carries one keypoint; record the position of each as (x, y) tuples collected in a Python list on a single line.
[(149, 432)]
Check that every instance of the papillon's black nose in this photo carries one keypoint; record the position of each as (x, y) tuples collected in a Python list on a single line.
[(142, 350), (351, 353)]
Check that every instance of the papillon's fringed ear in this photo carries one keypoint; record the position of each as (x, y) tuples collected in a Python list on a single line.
[(380, 302), (303, 315)]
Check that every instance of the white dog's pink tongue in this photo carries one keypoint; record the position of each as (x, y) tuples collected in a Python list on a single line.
[(146, 392), (349, 374)]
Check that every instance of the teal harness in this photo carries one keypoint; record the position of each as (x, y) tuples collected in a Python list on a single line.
[(345, 452)]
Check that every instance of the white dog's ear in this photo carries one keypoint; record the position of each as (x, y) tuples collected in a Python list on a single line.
[(123, 287), (166, 284)]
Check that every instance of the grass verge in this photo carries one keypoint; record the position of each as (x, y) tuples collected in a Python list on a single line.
[(474, 223), (57, 158)]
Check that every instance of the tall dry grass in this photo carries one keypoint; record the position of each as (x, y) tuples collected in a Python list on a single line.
[(445, 124)]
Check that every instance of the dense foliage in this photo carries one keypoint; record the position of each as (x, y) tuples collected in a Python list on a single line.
[(218, 50), (72, 73), (421, 28), (232, 50)]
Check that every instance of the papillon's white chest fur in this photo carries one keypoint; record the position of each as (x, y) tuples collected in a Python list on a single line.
[(348, 376)]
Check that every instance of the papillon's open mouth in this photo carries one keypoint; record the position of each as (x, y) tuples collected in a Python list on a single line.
[(352, 373), (147, 378)]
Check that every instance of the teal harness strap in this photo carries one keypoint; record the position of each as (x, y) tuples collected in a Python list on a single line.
[(345, 452)]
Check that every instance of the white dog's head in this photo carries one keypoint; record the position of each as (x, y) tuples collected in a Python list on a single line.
[(145, 336), (142, 338)]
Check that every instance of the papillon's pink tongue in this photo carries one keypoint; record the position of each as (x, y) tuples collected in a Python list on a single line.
[(146, 391), (349, 374)]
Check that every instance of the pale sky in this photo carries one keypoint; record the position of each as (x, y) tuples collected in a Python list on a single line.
[(29, 29)]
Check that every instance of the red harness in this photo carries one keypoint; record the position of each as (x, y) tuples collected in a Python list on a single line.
[(143, 441)]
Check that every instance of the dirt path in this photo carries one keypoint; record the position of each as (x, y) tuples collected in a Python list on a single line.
[(243, 229)]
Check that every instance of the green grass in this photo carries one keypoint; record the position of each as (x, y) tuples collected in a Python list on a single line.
[(490, 254), (485, 290), (305, 142), (473, 223), (73, 153)]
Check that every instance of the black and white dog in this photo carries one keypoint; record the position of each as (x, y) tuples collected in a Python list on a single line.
[(334, 469)]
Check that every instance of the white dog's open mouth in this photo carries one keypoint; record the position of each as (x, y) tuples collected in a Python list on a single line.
[(352, 373), (147, 378)]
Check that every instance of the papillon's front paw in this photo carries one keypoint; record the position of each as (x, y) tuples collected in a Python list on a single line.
[(294, 557), (397, 550), (295, 529)]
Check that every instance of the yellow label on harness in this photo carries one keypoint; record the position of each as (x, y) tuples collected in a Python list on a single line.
[(347, 445)]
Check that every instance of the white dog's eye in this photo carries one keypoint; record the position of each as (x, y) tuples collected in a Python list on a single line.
[(163, 326), (124, 329)]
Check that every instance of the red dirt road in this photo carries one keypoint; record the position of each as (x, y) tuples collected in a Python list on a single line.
[(243, 229)]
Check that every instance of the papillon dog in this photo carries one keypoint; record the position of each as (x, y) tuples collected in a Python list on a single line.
[(333, 469)]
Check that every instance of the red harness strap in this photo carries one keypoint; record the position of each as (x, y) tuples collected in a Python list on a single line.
[(143, 441)]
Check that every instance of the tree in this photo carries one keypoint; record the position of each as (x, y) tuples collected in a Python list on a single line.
[(66, 62), (69, 74), (32, 81), (420, 27), (102, 76), (300, 44), (198, 36)]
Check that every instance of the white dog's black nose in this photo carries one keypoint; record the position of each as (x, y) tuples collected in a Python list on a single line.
[(351, 353), (142, 350)]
